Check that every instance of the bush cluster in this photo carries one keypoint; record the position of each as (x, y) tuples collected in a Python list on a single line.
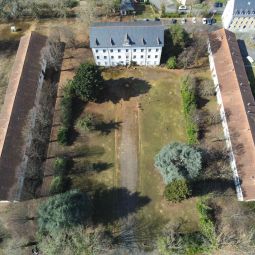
[(189, 107), (171, 63), (177, 190), (206, 223), (86, 85), (60, 182)]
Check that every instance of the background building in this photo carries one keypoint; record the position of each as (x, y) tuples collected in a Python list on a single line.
[(239, 15), (123, 43)]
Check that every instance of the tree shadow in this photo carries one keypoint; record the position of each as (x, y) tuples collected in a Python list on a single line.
[(123, 88), (248, 65), (83, 151), (206, 186), (9, 47), (89, 167), (105, 128), (116, 203)]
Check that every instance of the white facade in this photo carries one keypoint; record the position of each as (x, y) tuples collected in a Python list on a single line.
[(145, 56)]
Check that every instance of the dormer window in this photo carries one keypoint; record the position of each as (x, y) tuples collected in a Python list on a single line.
[(248, 12), (127, 41), (237, 12), (243, 12), (97, 42)]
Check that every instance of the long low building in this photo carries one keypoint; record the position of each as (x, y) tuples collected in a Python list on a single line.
[(124, 43), (237, 108), (18, 113)]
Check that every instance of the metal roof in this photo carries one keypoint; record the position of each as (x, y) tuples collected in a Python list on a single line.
[(127, 5), (127, 34), (244, 8)]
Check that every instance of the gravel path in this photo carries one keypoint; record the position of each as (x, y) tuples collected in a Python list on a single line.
[(128, 151)]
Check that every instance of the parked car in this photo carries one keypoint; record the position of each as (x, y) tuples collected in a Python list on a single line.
[(204, 20), (209, 21), (174, 21), (183, 7), (194, 20), (183, 20), (250, 59), (218, 4), (157, 19)]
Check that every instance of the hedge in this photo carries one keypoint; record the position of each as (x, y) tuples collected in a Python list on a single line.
[(189, 107)]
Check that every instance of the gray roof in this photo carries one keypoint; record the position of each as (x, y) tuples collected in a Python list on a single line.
[(127, 5), (127, 34), (244, 8)]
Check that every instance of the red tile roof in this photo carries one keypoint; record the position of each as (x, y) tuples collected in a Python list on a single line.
[(19, 100), (238, 102)]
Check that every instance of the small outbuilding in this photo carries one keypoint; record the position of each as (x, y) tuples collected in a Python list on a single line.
[(127, 7)]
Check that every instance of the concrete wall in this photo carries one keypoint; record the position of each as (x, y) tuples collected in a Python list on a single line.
[(227, 15)]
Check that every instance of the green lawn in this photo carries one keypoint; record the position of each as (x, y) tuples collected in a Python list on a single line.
[(162, 122)]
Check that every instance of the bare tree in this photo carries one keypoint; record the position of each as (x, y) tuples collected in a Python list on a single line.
[(52, 53)]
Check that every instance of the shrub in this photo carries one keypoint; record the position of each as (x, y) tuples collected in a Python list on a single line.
[(62, 136), (86, 122), (178, 161), (88, 82), (71, 3), (177, 191), (66, 111), (63, 211), (171, 63), (59, 184), (61, 166), (189, 107), (206, 224)]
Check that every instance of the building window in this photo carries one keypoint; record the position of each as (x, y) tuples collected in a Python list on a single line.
[(105, 63), (134, 50), (157, 50), (96, 51), (149, 56), (149, 50), (118, 50), (97, 57), (119, 57), (112, 57), (134, 56), (104, 50), (126, 50), (156, 56), (141, 56), (98, 63), (105, 57), (142, 50), (111, 50), (155, 62), (126, 56)]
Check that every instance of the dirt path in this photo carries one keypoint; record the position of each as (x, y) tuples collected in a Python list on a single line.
[(128, 152)]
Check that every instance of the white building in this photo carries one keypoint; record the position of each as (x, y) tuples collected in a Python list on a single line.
[(239, 15), (124, 43)]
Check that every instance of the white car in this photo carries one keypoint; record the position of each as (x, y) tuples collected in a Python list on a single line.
[(194, 21), (182, 7), (204, 20), (250, 59), (183, 20)]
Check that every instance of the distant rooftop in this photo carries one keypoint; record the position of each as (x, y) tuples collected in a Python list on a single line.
[(127, 34), (127, 5), (245, 8), (239, 104)]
